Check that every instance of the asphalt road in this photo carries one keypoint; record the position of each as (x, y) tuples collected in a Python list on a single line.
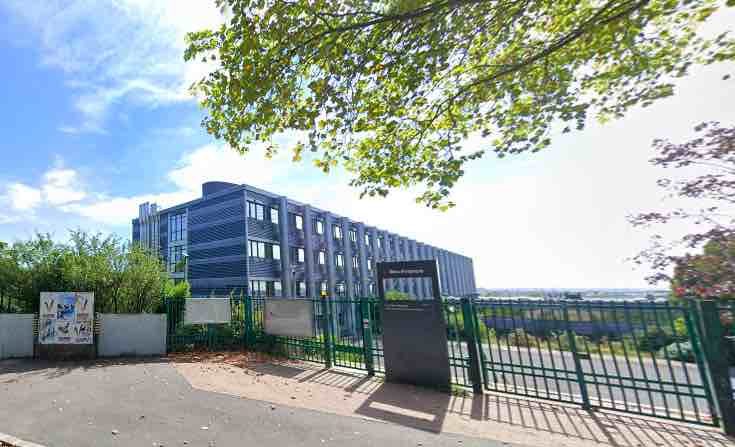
[(150, 404)]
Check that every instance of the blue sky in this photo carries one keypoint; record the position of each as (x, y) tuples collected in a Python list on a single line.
[(96, 118)]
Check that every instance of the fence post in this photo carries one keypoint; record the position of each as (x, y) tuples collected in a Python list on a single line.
[(327, 331), (577, 363), (468, 318), (248, 321), (713, 338), (367, 336)]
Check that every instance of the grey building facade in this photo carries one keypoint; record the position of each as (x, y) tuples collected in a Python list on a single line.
[(241, 239)]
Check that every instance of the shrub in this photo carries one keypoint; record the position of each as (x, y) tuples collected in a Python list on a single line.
[(678, 351), (654, 341)]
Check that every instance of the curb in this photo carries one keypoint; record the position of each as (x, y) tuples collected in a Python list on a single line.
[(11, 441)]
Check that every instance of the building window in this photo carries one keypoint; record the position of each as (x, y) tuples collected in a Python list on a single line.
[(299, 255), (353, 235), (264, 250), (319, 226), (322, 257), (256, 249), (367, 239), (323, 288), (265, 288), (339, 260), (380, 242), (298, 221), (337, 231), (370, 265), (274, 215), (355, 262), (371, 289), (300, 288), (256, 210), (339, 289), (177, 227), (177, 259), (358, 289)]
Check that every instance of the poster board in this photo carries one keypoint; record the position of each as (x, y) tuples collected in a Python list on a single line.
[(66, 318), (289, 317), (207, 311)]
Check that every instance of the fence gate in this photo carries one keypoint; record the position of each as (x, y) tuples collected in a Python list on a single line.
[(641, 358)]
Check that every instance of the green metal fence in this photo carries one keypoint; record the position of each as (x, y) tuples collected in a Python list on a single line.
[(655, 359), (640, 358), (184, 337)]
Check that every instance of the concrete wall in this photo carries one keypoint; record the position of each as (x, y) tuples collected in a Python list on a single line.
[(16, 335), (134, 334)]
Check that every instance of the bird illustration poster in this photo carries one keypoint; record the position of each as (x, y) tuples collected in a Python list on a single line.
[(66, 318)]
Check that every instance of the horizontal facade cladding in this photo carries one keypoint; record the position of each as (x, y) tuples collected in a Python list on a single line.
[(225, 269), (291, 240), (216, 252), (212, 233)]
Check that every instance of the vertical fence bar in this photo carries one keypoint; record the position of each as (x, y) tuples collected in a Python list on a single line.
[(577, 363), (248, 321), (468, 317), (367, 336), (713, 337), (327, 331)]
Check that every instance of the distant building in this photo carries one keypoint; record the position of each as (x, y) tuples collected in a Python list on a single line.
[(243, 239)]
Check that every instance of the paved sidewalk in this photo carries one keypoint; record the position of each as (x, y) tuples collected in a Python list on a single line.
[(491, 416), (150, 404)]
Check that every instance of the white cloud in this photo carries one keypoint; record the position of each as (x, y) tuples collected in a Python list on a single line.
[(200, 165), (22, 197), (61, 186), (114, 51)]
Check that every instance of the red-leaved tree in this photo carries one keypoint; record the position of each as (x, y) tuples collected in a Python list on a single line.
[(708, 267)]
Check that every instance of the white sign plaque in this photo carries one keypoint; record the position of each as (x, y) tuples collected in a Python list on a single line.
[(289, 317), (207, 311)]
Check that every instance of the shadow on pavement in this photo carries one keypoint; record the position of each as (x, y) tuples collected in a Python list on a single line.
[(427, 410), (403, 405), (53, 369)]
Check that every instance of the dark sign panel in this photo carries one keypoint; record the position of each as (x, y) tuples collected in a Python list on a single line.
[(414, 331)]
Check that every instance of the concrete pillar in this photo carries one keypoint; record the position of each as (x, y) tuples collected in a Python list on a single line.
[(247, 247), (349, 275), (285, 247), (463, 275), (377, 256), (453, 273), (445, 268), (415, 282), (425, 283), (362, 250), (473, 282), (331, 270), (405, 257), (309, 253)]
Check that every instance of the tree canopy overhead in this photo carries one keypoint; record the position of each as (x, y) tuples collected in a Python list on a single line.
[(391, 89)]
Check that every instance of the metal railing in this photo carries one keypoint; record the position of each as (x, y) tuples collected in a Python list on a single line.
[(653, 359)]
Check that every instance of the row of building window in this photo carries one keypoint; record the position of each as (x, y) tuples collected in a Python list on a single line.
[(269, 213), (266, 250), (259, 211), (178, 226), (340, 289), (299, 289)]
